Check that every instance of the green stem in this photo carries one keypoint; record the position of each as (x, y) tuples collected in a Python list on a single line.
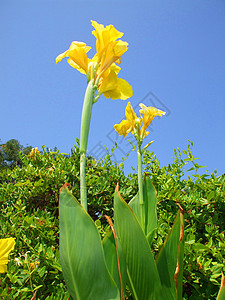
[(84, 132), (140, 185), (83, 189)]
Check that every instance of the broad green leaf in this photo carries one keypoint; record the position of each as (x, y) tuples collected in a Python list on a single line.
[(111, 259), (200, 247), (150, 202), (170, 260), (81, 253), (141, 268), (221, 295)]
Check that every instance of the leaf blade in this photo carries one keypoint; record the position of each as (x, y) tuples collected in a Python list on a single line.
[(150, 202), (81, 253), (221, 294), (142, 270), (115, 259), (170, 260)]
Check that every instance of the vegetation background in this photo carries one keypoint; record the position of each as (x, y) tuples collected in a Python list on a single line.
[(29, 193)]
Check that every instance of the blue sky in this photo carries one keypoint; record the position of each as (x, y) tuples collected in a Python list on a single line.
[(175, 61)]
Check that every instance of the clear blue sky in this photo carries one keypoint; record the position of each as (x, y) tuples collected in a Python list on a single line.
[(175, 60)]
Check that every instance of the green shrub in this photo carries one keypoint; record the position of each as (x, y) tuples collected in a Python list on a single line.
[(29, 212), (203, 200)]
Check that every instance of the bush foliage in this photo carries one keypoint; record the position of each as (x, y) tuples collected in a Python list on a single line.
[(29, 194)]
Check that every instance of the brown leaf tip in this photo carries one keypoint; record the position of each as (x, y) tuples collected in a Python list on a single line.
[(222, 281), (181, 208), (65, 185), (34, 295)]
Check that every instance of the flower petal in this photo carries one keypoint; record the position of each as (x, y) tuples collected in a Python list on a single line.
[(124, 88), (77, 54), (6, 246), (149, 114), (112, 54), (61, 56), (108, 82), (114, 87), (104, 36), (75, 66), (131, 115), (123, 128)]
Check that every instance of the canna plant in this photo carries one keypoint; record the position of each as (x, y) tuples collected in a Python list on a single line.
[(96, 269), (101, 72), (136, 225), (82, 256)]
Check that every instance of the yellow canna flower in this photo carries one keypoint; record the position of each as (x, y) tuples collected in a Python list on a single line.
[(133, 123), (6, 246), (149, 113), (129, 124), (102, 67)]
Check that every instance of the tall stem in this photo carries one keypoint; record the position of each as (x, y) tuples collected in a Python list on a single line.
[(83, 189), (140, 185), (84, 132)]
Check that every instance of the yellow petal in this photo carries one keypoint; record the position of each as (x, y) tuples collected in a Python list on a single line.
[(104, 36), (109, 50), (115, 68), (151, 110), (6, 246), (3, 268), (77, 54), (114, 87), (119, 48), (131, 115), (108, 82), (149, 114), (61, 56), (123, 128), (75, 66), (124, 89), (112, 54)]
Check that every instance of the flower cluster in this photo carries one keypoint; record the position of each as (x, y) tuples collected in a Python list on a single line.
[(133, 123), (34, 264), (34, 152), (103, 67)]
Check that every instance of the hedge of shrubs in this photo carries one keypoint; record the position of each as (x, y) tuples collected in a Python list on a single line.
[(29, 196)]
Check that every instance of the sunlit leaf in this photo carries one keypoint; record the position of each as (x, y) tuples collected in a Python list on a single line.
[(142, 271), (170, 260), (81, 253), (150, 202)]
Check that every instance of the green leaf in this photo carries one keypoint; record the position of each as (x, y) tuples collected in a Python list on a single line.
[(200, 247), (141, 268), (150, 202), (81, 253), (111, 259), (41, 271), (221, 295), (170, 260), (211, 195)]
